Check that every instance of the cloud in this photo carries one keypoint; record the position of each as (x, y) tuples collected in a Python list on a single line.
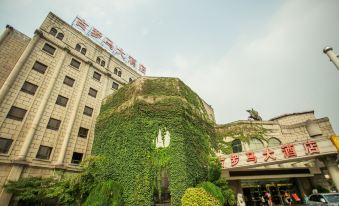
[(279, 72)]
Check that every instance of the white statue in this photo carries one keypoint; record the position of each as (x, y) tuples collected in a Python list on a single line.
[(240, 200), (162, 142)]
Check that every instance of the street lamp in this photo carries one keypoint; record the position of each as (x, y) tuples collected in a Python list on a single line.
[(333, 57)]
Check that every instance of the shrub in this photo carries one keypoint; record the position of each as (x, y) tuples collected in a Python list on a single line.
[(105, 193), (226, 191), (198, 197), (213, 190), (214, 169)]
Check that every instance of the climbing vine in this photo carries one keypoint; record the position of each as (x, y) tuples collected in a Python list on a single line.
[(244, 131), (127, 125)]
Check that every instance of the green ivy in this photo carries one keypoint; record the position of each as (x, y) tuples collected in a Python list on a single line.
[(244, 131), (127, 125)]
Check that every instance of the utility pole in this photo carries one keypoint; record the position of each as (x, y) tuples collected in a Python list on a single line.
[(333, 57)]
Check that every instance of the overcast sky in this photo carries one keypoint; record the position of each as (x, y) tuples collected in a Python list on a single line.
[(235, 54)]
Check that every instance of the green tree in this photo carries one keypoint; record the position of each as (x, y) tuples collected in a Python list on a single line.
[(32, 190), (107, 193), (214, 169)]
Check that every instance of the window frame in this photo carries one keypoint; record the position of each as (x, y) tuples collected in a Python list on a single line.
[(11, 116), (237, 146), (91, 93), (69, 79), (114, 84), (75, 63), (57, 123), (86, 111), (37, 66), (27, 86), (97, 76), (61, 101), (81, 132), (48, 46), (41, 156), (73, 160), (5, 145)]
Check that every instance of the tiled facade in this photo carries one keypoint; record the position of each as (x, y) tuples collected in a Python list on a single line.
[(18, 56)]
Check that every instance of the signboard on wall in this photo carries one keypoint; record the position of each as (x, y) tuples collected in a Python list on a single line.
[(96, 36), (296, 151)]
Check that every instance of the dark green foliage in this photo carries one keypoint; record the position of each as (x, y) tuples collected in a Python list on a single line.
[(68, 189), (226, 191), (30, 189), (214, 169), (213, 190), (106, 193), (129, 122), (73, 189), (322, 189)]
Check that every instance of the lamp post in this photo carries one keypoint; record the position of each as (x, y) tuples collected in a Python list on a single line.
[(333, 57)]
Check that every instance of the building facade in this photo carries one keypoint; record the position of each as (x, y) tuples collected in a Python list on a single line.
[(52, 86), (296, 155)]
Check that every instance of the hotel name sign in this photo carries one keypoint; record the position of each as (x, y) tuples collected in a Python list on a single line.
[(296, 151)]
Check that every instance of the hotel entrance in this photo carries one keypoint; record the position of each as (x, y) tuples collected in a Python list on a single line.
[(254, 190)]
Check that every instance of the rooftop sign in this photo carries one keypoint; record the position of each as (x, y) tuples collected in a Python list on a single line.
[(296, 151), (103, 41)]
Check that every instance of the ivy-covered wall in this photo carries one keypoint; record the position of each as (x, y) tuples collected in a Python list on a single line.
[(129, 122)]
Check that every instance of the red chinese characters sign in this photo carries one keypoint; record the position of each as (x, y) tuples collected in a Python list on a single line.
[(288, 150), (274, 154), (234, 159), (96, 36), (311, 147)]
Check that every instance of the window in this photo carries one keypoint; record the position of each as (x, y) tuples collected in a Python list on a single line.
[(82, 132), (69, 81), (115, 85), (88, 111), (273, 142), (100, 61), (29, 88), (53, 124), (83, 51), (44, 152), (130, 80), (76, 158), (236, 146), (39, 67), (5, 144), (49, 49), (78, 47), (60, 36), (75, 63), (92, 92), (61, 100), (97, 76), (53, 31), (119, 73), (16, 113), (116, 71), (256, 144)]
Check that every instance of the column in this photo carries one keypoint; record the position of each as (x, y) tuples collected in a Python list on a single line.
[(72, 117), (18, 66), (5, 33), (332, 167), (30, 133), (14, 175)]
